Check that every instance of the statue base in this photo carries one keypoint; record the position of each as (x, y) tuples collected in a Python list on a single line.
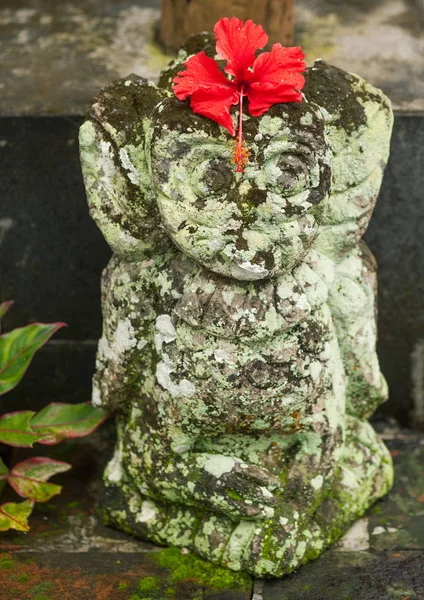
[(272, 547)]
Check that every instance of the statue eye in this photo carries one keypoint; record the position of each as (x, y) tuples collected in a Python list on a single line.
[(291, 174), (218, 175), (213, 177)]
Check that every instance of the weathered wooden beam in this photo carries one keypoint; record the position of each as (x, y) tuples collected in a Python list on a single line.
[(182, 18)]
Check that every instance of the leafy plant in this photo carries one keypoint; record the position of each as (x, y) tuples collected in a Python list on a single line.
[(53, 424)]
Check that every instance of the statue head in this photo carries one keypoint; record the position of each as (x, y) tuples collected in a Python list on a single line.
[(156, 172), (244, 225)]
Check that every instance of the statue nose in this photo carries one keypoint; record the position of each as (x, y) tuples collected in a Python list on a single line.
[(248, 203)]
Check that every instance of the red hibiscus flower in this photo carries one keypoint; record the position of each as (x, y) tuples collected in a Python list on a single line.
[(271, 78)]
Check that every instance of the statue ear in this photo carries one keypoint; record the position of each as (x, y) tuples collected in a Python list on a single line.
[(114, 164), (196, 43), (358, 120)]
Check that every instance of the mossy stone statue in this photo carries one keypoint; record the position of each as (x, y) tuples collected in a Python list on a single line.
[(239, 317)]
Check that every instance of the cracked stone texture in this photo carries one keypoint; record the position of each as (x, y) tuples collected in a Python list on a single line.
[(239, 317), (56, 55)]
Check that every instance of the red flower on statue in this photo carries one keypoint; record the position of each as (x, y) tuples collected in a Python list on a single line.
[(270, 78)]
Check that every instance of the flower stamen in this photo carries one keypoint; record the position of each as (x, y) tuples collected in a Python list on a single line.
[(240, 153)]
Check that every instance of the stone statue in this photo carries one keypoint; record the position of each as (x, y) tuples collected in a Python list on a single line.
[(239, 317)]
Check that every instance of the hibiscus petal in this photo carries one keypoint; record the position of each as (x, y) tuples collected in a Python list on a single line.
[(215, 104), (263, 96), (273, 67), (201, 71), (237, 43)]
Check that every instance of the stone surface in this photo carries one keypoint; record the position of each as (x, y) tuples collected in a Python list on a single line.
[(375, 38), (239, 317), (396, 236), (68, 554), (352, 576), (56, 55)]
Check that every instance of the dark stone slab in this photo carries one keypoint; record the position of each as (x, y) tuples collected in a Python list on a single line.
[(354, 576), (61, 371), (396, 236), (51, 252), (396, 523)]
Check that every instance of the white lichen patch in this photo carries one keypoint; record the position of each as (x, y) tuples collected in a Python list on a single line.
[(148, 512), (317, 482), (217, 465), (165, 331), (164, 369)]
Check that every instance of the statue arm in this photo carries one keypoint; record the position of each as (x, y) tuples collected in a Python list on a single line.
[(352, 300)]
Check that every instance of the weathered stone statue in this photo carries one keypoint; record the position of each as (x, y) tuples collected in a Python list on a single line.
[(238, 347)]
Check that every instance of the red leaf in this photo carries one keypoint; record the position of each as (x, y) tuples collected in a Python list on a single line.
[(237, 43), (59, 421), (3, 476), (4, 307), (15, 515), (29, 478), (17, 349), (15, 429)]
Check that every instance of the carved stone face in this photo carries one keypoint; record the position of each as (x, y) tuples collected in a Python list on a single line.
[(245, 225)]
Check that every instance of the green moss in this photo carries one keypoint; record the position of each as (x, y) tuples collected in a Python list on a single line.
[(170, 592), (39, 592), (122, 586), (190, 567), (24, 578), (6, 563), (148, 584), (234, 495)]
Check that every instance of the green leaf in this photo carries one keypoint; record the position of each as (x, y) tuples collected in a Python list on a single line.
[(17, 349), (29, 478), (3, 476), (15, 429), (15, 515), (4, 307), (57, 421)]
